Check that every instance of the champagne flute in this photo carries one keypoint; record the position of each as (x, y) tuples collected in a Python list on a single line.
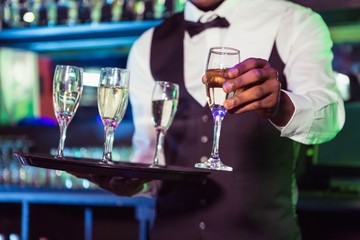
[(67, 91), (219, 60), (112, 97), (165, 97)]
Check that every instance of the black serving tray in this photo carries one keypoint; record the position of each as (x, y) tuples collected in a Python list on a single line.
[(121, 169)]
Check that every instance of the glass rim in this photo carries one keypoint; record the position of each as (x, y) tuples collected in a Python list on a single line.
[(166, 82), (222, 50), (68, 66), (115, 68)]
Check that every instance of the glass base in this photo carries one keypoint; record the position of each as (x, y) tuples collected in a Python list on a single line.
[(107, 161), (154, 166), (59, 156), (214, 164)]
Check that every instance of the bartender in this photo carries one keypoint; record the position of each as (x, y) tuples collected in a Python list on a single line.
[(285, 95)]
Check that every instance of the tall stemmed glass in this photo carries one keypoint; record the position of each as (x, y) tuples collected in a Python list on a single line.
[(112, 96), (67, 91), (219, 60), (164, 105)]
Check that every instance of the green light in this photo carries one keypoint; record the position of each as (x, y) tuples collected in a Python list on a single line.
[(349, 33)]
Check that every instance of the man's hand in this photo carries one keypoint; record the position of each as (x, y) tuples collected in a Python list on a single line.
[(256, 88), (118, 185)]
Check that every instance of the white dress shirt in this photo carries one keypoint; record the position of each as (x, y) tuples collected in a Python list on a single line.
[(303, 43)]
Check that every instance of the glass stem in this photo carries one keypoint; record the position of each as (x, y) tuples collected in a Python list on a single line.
[(63, 127), (218, 118), (159, 146), (109, 141)]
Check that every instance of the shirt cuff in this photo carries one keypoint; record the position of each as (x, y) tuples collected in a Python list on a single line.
[(301, 121)]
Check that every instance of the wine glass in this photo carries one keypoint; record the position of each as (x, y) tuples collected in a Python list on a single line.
[(219, 60), (112, 97), (67, 91), (165, 97)]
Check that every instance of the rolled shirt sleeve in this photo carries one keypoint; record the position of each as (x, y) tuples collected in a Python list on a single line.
[(319, 109)]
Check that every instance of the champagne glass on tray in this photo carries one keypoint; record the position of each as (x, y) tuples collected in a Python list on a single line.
[(67, 91), (165, 97), (112, 97), (219, 60)]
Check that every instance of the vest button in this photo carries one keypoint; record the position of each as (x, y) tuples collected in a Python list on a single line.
[(202, 225), (204, 139), (203, 159), (205, 118)]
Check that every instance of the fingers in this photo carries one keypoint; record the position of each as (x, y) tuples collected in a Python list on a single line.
[(121, 180), (126, 186), (123, 186), (248, 73), (254, 65), (246, 65), (101, 181), (254, 98), (256, 87), (203, 79)]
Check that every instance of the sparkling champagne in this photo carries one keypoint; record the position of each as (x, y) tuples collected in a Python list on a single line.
[(163, 113), (112, 103), (66, 104), (216, 96)]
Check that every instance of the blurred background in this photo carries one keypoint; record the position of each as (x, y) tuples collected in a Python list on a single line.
[(36, 35)]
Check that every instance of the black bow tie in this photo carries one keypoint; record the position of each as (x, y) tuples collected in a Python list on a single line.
[(194, 28)]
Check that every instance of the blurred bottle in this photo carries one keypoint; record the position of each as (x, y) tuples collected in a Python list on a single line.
[(14, 168), (62, 12), (169, 8), (96, 11), (159, 9), (139, 9), (166, 8), (51, 12), (179, 6), (5, 14), (128, 10), (4, 158), (148, 9), (23, 145), (84, 11), (42, 13), (116, 10), (14, 13), (106, 11), (72, 12)]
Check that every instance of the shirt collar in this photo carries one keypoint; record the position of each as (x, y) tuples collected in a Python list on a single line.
[(193, 14)]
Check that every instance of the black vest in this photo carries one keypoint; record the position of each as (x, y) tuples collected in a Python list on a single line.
[(252, 202)]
